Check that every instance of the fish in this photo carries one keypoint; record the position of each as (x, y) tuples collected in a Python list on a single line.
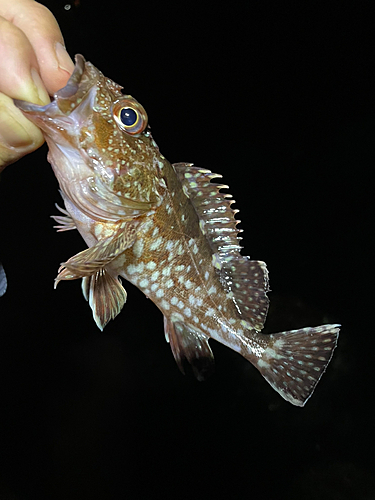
[(170, 231), (3, 280)]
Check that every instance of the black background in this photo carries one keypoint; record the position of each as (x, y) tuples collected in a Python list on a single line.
[(279, 98)]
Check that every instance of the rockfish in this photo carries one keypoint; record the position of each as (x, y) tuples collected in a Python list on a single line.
[(168, 230)]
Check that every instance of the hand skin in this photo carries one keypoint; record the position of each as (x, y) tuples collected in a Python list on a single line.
[(33, 65)]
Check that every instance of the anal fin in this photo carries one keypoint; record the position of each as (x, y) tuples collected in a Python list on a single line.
[(190, 345), (106, 296)]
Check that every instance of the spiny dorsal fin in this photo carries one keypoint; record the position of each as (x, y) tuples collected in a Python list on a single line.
[(213, 208), (246, 280), (189, 345)]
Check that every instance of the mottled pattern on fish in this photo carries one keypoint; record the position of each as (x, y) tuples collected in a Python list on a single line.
[(168, 230)]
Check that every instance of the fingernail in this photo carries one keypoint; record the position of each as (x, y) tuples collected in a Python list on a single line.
[(40, 93), (63, 58)]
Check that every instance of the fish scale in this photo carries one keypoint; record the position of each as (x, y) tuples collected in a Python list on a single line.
[(170, 231)]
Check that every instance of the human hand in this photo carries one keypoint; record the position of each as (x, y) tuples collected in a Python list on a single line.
[(33, 65)]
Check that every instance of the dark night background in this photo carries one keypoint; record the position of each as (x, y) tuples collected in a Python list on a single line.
[(279, 98)]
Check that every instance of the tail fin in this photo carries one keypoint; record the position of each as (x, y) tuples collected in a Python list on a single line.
[(294, 361)]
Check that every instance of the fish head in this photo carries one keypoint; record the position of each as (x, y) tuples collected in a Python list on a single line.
[(100, 146)]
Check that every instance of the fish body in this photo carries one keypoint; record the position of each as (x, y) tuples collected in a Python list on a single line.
[(168, 230)]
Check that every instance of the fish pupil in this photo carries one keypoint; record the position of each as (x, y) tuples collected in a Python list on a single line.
[(128, 116)]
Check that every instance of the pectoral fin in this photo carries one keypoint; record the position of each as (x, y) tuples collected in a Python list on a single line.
[(105, 295), (95, 258), (191, 346)]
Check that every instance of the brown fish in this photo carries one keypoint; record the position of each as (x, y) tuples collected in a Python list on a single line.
[(168, 230)]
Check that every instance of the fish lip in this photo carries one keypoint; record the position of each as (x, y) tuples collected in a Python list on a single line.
[(72, 86), (66, 92)]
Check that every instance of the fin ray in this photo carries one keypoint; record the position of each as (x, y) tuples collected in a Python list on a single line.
[(294, 361), (106, 296), (189, 345), (91, 260), (245, 279)]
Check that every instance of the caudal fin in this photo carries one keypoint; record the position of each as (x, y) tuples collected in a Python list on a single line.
[(294, 361)]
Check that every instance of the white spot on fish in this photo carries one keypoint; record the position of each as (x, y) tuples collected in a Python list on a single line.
[(209, 312), (263, 364), (206, 275), (151, 265), (154, 287), (160, 293), (169, 245), (174, 301), (155, 275), (187, 311), (164, 304), (192, 300), (156, 244), (143, 283), (212, 290), (180, 249), (138, 248), (169, 283), (175, 316), (133, 269), (98, 230), (166, 271), (147, 225), (180, 305)]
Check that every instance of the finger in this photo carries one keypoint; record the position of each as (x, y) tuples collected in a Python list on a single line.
[(43, 32), (19, 76), (19, 79), (18, 136)]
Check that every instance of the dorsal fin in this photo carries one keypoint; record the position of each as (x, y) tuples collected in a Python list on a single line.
[(213, 208), (246, 280)]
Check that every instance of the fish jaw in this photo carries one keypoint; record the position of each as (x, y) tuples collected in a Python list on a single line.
[(61, 121), (76, 126), (71, 106)]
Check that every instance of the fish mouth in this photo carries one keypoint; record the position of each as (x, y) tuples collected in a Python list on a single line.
[(71, 88), (65, 100)]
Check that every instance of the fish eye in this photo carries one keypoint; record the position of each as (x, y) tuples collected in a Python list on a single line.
[(129, 115)]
